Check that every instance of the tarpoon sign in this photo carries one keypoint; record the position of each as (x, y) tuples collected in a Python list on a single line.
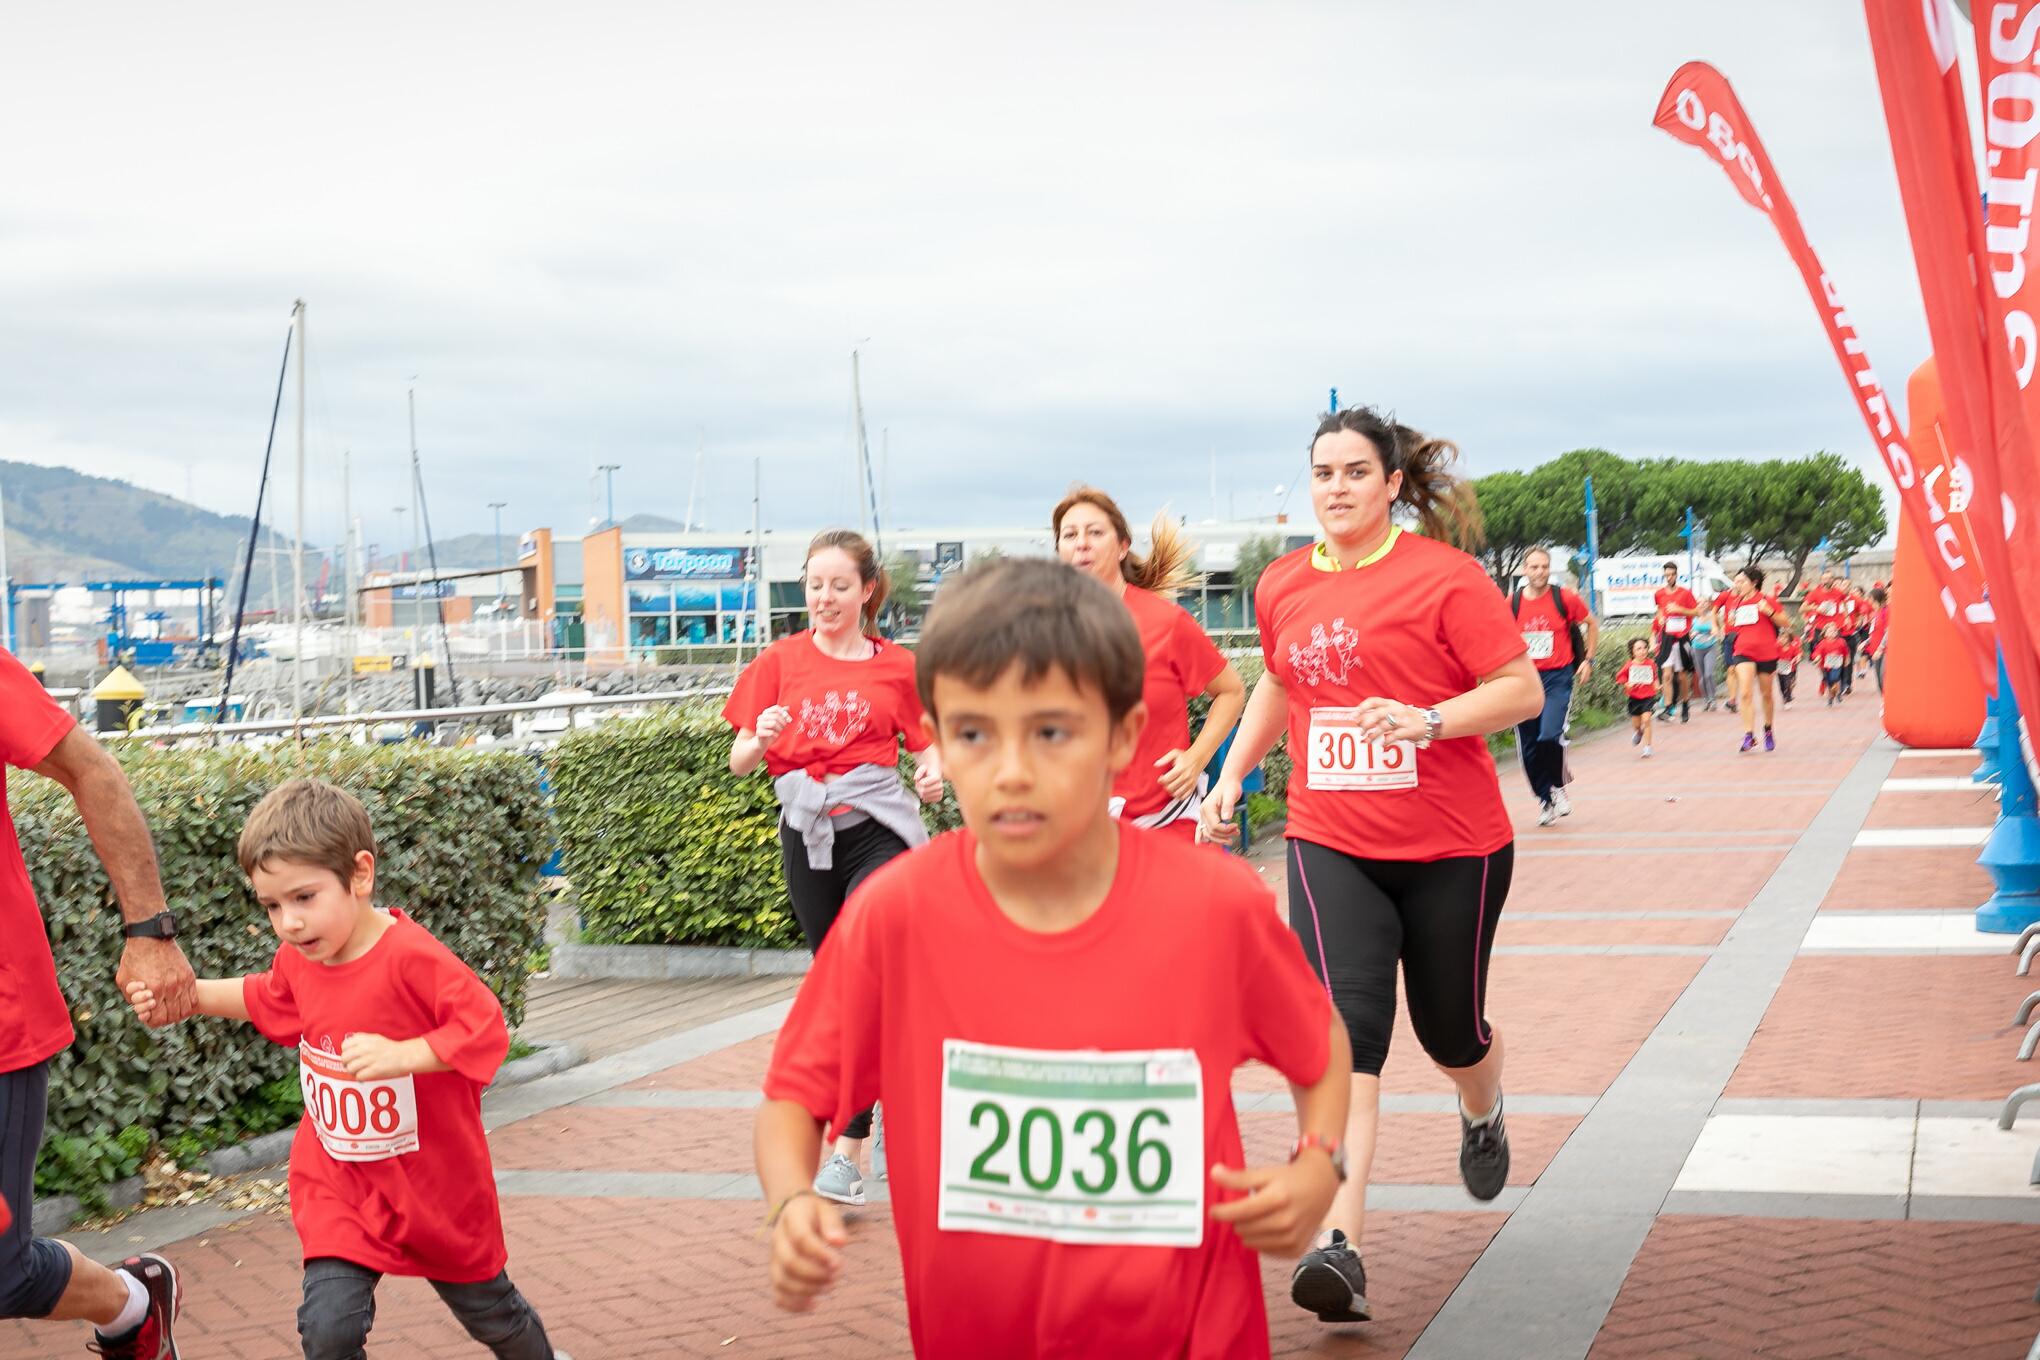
[(686, 564)]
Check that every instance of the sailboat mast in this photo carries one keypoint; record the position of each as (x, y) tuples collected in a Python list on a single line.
[(863, 452), (347, 567), (417, 518), (297, 555)]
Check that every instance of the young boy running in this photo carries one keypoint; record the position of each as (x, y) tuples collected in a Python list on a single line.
[(396, 1038), (1640, 679), (1051, 1005), (1831, 654)]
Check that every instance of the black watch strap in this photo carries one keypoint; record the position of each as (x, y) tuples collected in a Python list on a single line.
[(161, 926)]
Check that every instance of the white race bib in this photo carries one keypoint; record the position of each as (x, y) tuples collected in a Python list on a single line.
[(1073, 1146), (1539, 643), (1788, 665), (1343, 757), (1676, 624), (1745, 615), (1639, 674), (357, 1121), (1830, 607)]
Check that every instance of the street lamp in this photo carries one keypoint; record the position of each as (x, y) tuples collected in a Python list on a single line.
[(497, 506), (608, 471)]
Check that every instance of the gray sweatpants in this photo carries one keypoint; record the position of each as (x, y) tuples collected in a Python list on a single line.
[(339, 1309), (34, 1271)]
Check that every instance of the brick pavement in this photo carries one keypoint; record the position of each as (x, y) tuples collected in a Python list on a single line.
[(1696, 829)]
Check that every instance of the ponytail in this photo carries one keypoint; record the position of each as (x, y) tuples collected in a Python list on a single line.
[(1166, 570), (859, 550), (1432, 486)]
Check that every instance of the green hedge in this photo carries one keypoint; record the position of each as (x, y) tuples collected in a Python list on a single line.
[(462, 836)]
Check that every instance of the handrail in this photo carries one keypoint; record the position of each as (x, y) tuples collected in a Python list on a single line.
[(265, 726)]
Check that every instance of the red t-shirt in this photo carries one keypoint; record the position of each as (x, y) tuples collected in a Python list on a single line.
[(1676, 625), (1756, 632), (1831, 654), (1181, 663), (1788, 655), (1823, 603), (1419, 624), (429, 1212), (1640, 677), (1880, 623), (845, 713), (34, 1021), (1186, 952), (1540, 619)]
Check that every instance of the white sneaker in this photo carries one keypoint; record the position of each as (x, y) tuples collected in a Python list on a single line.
[(1646, 753), (838, 1180), (1561, 802), (1547, 816)]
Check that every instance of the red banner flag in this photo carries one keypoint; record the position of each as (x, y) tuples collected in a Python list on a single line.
[(1700, 109), (1913, 42)]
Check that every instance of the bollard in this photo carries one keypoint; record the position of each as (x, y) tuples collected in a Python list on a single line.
[(1987, 770), (36, 669), (2012, 854), (117, 700)]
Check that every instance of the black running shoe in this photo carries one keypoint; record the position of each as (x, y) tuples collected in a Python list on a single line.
[(1331, 1282), (1484, 1155), (154, 1339)]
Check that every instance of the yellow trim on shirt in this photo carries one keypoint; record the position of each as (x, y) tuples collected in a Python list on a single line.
[(1321, 560)]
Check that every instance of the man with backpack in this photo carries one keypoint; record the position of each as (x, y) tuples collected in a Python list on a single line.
[(1561, 636)]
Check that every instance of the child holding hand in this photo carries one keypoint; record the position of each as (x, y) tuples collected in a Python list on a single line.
[(396, 1038)]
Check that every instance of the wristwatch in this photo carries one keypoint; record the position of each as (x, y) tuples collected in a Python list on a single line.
[(1333, 1148), (161, 926), (1434, 723)]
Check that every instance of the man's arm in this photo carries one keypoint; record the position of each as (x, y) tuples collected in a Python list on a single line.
[(120, 836)]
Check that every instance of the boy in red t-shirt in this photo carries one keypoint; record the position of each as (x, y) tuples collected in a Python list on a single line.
[(1831, 654), (1051, 1005), (1640, 682), (396, 1037)]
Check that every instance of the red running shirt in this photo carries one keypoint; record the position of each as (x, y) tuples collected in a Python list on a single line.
[(1181, 663), (1756, 632), (34, 1022), (1676, 625), (1640, 678), (1420, 623), (1186, 952), (1788, 655), (1831, 654), (845, 713), (1540, 618), (1823, 603), (431, 1212)]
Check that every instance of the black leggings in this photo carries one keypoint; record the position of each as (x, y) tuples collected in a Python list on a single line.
[(818, 894), (1356, 917), (34, 1271)]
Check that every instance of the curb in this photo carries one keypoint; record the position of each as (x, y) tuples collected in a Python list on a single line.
[(675, 961), (57, 1213)]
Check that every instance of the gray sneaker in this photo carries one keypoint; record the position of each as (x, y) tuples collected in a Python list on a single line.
[(1331, 1282), (1561, 802), (838, 1180), (1484, 1155)]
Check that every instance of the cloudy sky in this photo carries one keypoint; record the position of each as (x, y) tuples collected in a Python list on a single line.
[(1074, 240)]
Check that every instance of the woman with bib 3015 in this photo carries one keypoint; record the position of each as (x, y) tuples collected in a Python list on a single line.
[(1161, 789), (1390, 657), (825, 711)]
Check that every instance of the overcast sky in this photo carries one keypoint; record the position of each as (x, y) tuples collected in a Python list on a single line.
[(1085, 241)]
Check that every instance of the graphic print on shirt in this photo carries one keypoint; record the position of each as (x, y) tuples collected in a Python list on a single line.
[(1331, 657), (837, 719)]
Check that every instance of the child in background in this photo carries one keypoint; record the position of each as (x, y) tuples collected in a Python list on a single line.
[(1051, 1004), (1640, 679), (1789, 652), (396, 1038), (1831, 654)]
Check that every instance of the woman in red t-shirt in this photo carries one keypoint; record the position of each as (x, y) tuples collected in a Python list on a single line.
[(1880, 624), (1390, 657), (1165, 782), (825, 710), (1753, 616)]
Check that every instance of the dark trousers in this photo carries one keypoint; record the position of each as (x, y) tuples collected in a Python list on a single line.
[(818, 894), (1785, 679), (34, 1271), (1537, 739), (339, 1309)]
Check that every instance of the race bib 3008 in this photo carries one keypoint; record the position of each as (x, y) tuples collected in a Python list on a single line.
[(357, 1121), (1073, 1146)]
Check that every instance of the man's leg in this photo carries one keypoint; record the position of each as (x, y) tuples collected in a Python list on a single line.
[(39, 1277)]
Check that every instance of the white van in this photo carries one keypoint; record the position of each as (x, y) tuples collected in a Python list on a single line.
[(1628, 584)]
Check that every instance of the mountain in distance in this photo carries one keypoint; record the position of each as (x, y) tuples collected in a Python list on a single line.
[(69, 526)]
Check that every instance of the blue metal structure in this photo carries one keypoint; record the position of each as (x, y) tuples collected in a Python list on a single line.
[(123, 644), (17, 589)]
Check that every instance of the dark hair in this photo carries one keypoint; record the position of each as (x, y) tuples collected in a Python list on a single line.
[(860, 552), (1444, 501), (1165, 570), (1756, 575), (1636, 642), (1671, 566), (1878, 595), (1039, 614), (306, 821)]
